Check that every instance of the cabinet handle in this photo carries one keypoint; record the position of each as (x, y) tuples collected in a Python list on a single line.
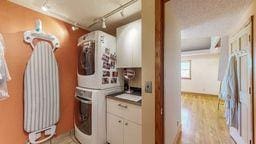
[(119, 121), (126, 124), (123, 106)]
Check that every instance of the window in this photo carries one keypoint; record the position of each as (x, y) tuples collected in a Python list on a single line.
[(186, 69)]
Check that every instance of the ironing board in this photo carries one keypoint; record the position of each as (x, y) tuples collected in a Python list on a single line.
[(41, 87)]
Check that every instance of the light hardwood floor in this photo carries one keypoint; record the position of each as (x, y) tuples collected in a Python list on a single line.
[(202, 122)]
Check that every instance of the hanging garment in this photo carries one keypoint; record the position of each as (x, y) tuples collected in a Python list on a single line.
[(4, 72), (224, 57), (41, 92), (230, 92)]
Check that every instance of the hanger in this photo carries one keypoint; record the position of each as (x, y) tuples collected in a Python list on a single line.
[(239, 53), (29, 36)]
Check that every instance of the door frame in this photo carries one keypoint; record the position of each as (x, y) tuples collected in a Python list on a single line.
[(235, 135), (252, 18), (159, 70), (253, 55)]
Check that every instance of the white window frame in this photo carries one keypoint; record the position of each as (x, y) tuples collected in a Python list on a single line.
[(189, 77)]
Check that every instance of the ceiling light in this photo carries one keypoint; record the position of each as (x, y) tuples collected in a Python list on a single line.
[(104, 23), (122, 13), (45, 7), (75, 27)]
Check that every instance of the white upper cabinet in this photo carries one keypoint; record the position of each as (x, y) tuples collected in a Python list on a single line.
[(129, 45)]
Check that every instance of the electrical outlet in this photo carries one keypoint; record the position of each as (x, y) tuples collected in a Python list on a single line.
[(148, 87)]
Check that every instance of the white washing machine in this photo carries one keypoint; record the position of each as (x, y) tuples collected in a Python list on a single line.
[(90, 115)]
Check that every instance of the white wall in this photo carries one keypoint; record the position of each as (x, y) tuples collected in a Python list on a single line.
[(172, 76), (204, 75)]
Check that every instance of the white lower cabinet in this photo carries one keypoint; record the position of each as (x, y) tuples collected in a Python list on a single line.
[(123, 129), (115, 132), (132, 133)]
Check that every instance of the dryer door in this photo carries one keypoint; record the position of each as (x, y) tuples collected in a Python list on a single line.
[(86, 61)]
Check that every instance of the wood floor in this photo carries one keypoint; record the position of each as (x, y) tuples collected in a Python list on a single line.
[(202, 122)]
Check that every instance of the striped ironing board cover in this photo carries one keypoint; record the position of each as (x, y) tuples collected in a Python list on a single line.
[(41, 89)]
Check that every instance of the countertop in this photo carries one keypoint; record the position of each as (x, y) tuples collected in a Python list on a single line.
[(113, 96)]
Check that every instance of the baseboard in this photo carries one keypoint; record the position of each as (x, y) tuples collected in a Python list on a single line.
[(178, 135), (194, 93)]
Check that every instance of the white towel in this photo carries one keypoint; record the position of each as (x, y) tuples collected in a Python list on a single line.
[(4, 72), (230, 92)]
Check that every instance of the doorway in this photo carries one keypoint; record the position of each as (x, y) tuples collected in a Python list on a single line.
[(159, 96)]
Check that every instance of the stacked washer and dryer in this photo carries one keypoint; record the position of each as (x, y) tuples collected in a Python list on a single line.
[(97, 77)]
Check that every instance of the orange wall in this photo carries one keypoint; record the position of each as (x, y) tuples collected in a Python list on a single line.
[(14, 20)]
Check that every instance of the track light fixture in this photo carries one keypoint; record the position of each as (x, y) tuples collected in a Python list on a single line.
[(122, 13), (45, 7), (120, 9), (104, 23), (75, 27)]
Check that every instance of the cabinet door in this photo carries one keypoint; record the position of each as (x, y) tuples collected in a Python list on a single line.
[(129, 45), (136, 53), (115, 133), (130, 112), (124, 47), (132, 133)]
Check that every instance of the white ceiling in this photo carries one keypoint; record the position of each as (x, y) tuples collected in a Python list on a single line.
[(192, 44), (204, 18), (85, 12), (201, 19)]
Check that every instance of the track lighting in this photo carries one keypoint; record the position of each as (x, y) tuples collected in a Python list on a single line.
[(122, 13), (75, 27), (104, 23), (45, 7), (113, 12)]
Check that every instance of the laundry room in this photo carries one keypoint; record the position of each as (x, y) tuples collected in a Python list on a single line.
[(127, 71)]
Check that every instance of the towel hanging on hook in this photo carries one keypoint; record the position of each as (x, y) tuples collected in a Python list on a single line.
[(4, 72)]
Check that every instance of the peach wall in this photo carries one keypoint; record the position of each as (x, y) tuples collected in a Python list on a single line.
[(14, 20), (148, 71)]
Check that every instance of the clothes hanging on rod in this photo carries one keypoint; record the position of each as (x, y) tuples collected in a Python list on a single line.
[(4, 72)]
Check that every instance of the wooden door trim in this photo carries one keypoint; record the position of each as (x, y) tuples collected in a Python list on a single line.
[(252, 91), (159, 71), (253, 76)]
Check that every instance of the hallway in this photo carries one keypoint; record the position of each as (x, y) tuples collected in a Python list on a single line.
[(202, 122)]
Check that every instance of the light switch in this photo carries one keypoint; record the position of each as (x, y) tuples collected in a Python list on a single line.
[(148, 87)]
